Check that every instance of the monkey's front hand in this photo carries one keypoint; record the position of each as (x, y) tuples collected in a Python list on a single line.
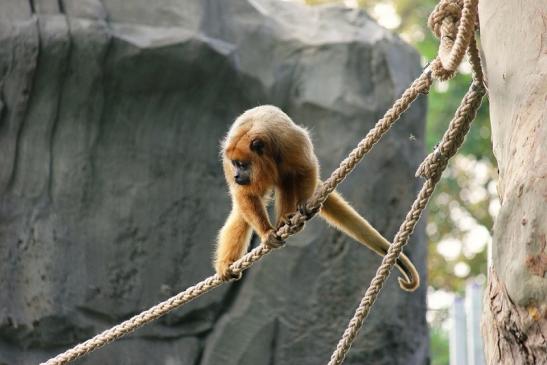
[(273, 240), (308, 213), (223, 270)]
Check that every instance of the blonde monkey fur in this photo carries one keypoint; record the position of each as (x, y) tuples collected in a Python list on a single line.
[(264, 151)]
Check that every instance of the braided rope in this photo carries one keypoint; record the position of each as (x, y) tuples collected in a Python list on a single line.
[(420, 86), (156, 311), (292, 226), (431, 168), (296, 222), (453, 21)]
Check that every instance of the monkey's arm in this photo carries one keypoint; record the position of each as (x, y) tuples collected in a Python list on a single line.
[(340, 214), (253, 210), (232, 243)]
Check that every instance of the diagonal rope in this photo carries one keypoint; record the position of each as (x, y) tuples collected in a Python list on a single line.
[(420, 86), (432, 166)]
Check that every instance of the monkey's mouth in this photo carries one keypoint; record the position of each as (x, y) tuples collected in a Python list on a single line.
[(242, 181)]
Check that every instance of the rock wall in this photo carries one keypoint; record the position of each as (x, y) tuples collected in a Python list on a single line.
[(111, 113)]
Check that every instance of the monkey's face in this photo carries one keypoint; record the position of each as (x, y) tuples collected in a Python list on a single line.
[(247, 163), (242, 172)]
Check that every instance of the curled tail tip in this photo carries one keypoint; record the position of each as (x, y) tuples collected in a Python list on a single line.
[(408, 284)]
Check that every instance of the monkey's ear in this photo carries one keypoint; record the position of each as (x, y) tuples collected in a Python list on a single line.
[(257, 145)]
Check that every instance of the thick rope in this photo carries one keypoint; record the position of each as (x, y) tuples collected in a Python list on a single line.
[(296, 222), (292, 226), (420, 86), (432, 168), (453, 21), (156, 311)]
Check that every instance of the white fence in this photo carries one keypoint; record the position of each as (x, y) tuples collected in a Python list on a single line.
[(465, 336)]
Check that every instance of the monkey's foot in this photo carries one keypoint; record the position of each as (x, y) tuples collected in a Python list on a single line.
[(285, 219), (223, 270), (308, 213), (273, 240)]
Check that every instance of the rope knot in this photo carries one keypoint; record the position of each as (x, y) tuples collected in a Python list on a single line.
[(444, 9), (454, 23)]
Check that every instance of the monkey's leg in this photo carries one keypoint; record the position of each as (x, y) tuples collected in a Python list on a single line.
[(233, 240)]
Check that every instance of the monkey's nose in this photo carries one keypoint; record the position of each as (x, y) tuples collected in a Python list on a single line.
[(241, 180)]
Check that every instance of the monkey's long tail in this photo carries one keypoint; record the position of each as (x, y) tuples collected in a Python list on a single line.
[(337, 211)]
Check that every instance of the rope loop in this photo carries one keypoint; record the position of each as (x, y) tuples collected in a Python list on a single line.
[(444, 9), (454, 22)]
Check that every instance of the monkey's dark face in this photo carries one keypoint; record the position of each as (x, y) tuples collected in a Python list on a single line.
[(242, 167), (248, 163), (242, 172)]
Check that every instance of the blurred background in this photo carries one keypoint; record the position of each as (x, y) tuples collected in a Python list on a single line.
[(111, 114), (465, 202)]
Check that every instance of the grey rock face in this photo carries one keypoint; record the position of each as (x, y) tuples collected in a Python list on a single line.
[(111, 113)]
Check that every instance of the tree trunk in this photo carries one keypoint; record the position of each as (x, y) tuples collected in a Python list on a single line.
[(514, 42)]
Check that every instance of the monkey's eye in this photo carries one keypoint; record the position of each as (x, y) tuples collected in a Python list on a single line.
[(240, 164), (257, 145)]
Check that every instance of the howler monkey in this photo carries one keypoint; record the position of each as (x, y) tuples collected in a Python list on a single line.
[(264, 151)]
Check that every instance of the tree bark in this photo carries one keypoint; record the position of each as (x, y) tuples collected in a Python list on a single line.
[(514, 43)]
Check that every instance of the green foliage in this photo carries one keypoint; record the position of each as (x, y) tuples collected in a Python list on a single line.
[(438, 344)]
